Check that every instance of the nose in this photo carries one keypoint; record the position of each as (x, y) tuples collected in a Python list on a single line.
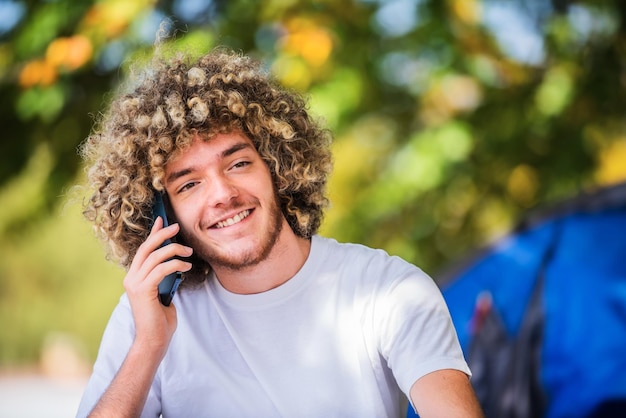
[(221, 191)]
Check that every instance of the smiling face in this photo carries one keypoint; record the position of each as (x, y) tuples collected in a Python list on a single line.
[(222, 194)]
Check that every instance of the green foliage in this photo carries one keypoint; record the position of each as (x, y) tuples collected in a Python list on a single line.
[(52, 272), (446, 130)]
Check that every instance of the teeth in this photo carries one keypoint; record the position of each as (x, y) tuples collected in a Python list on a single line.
[(235, 219)]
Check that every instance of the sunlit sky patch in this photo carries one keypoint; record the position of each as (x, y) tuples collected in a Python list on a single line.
[(11, 12), (397, 17), (147, 27), (144, 31), (589, 22), (514, 30), (513, 27), (193, 10)]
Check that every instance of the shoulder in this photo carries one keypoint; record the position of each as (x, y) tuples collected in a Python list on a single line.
[(361, 259), (374, 274)]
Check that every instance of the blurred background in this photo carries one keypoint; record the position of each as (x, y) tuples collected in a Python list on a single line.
[(451, 118)]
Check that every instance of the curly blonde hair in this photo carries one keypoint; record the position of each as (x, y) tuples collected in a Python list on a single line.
[(173, 101)]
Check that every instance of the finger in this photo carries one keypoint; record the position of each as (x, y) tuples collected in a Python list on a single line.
[(147, 283), (144, 250), (171, 266), (147, 286), (157, 224), (168, 251), (158, 235), (157, 238), (165, 253), (162, 255)]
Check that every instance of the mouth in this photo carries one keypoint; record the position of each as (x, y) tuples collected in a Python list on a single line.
[(233, 220)]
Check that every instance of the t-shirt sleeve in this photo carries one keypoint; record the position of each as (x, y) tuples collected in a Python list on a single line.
[(416, 333), (116, 341)]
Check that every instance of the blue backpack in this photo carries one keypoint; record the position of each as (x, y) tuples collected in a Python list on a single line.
[(541, 314)]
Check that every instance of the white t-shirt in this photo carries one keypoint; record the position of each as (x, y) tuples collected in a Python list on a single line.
[(347, 336)]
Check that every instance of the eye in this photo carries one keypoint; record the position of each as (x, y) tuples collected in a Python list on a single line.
[(186, 186), (241, 164)]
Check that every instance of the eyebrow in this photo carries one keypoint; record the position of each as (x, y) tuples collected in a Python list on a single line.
[(236, 147), (225, 153)]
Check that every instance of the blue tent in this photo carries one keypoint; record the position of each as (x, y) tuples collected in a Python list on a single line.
[(541, 314)]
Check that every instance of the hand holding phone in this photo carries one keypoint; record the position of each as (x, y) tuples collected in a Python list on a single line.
[(170, 283)]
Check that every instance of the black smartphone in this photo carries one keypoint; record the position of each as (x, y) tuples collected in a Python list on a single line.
[(169, 284)]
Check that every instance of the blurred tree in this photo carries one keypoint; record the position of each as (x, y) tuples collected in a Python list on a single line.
[(451, 117)]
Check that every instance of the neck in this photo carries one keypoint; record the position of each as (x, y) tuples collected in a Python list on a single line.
[(285, 259)]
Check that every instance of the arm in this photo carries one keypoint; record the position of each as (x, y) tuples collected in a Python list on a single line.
[(445, 393), (127, 394), (154, 324)]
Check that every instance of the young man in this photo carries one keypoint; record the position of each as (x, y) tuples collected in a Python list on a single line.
[(271, 320)]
